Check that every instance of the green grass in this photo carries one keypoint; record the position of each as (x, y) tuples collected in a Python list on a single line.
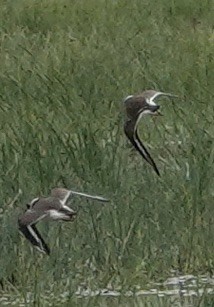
[(65, 68)]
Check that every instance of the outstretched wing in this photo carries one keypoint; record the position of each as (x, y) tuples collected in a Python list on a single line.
[(132, 135), (95, 197), (144, 152), (151, 94), (27, 226)]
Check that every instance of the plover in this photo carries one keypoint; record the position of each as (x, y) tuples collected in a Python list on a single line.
[(136, 106), (52, 208)]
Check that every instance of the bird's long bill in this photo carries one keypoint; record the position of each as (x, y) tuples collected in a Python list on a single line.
[(31, 233), (132, 135), (99, 198)]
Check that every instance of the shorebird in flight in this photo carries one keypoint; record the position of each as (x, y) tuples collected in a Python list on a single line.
[(52, 208), (136, 106)]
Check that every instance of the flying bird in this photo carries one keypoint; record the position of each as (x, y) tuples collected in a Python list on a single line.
[(136, 106), (48, 208)]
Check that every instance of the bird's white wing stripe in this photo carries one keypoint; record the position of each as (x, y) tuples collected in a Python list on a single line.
[(33, 201), (64, 200), (34, 235), (162, 94), (129, 96), (68, 209)]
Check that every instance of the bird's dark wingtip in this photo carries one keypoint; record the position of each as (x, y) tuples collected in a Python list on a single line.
[(157, 171), (48, 252)]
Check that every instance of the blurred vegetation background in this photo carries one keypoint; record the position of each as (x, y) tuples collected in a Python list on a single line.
[(65, 68)]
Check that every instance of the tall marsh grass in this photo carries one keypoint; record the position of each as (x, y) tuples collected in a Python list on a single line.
[(65, 68)]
